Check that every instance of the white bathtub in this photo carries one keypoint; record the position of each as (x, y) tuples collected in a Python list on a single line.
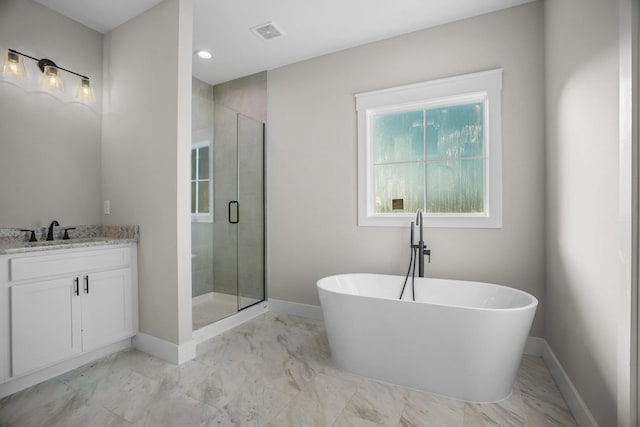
[(458, 339)]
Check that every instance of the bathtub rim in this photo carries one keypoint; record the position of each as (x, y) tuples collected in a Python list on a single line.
[(533, 304)]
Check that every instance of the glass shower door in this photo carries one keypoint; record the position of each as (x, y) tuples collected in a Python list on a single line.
[(225, 190), (238, 223), (250, 227)]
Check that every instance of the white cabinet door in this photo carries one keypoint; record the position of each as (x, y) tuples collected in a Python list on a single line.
[(45, 324), (106, 308)]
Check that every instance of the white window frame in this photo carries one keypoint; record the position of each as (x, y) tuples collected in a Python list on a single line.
[(204, 216), (486, 85)]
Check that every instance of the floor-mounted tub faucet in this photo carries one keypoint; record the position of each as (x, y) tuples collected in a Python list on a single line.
[(421, 247), (418, 251), (50, 233)]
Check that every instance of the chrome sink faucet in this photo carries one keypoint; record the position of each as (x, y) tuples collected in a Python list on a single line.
[(50, 233)]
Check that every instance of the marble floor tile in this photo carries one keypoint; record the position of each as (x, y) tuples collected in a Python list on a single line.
[(510, 412), (255, 405), (175, 409), (426, 410), (274, 371), (126, 393), (375, 402), (225, 381), (319, 404)]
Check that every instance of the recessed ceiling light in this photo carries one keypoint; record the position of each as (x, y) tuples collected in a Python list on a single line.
[(204, 54), (268, 31)]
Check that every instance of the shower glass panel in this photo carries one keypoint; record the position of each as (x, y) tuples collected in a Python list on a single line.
[(237, 236), (250, 227)]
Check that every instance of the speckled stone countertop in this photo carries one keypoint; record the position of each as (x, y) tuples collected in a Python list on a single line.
[(13, 240)]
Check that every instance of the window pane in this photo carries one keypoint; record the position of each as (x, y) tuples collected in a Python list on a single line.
[(193, 196), (455, 186), (203, 163), (455, 131), (398, 137), (400, 182), (194, 153), (203, 197)]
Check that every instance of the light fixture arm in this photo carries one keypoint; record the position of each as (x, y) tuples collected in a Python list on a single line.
[(47, 62)]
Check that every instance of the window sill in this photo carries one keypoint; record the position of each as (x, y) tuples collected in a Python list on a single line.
[(431, 221)]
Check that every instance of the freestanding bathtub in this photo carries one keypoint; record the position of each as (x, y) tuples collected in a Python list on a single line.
[(458, 339)]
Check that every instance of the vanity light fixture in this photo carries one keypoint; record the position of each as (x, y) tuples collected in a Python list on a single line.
[(14, 67)]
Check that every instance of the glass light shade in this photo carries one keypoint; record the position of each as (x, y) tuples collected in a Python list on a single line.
[(85, 91), (51, 79), (13, 66)]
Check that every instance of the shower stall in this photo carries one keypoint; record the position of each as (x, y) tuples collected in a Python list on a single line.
[(227, 206)]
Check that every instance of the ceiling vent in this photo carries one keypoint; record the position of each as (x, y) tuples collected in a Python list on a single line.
[(268, 31)]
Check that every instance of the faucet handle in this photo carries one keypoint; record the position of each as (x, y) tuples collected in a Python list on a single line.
[(32, 238), (66, 233)]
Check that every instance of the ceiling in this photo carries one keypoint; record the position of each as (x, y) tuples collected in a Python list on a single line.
[(312, 28)]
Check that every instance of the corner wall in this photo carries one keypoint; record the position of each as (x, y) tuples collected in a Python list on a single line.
[(583, 191), (312, 158), (145, 157)]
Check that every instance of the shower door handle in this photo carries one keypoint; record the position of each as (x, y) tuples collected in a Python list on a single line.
[(237, 216)]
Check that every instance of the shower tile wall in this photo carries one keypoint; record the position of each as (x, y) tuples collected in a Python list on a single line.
[(201, 232)]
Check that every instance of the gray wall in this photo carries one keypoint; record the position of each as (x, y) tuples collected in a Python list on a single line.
[(312, 203), (246, 95), (583, 191), (49, 148), (146, 148)]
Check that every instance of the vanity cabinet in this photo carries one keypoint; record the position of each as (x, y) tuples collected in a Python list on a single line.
[(63, 304), (45, 324)]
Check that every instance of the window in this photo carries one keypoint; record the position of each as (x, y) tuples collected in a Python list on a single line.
[(200, 182), (434, 146)]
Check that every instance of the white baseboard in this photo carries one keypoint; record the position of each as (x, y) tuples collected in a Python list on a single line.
[(165, 350), (216, 328), (296, 309), (578, 408), (535, 346)]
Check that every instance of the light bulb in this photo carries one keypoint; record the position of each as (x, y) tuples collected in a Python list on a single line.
[(85, 91), (13, 66), (51, 79)]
